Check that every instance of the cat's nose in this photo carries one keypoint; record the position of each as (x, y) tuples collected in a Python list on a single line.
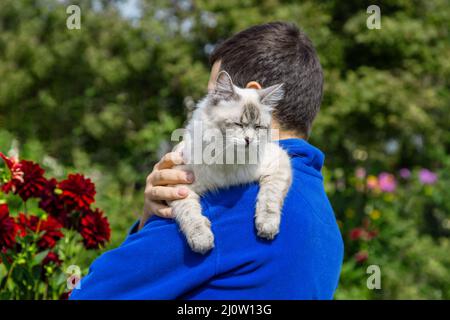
[(247, 141)]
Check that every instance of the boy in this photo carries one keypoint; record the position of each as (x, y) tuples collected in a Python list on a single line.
[(302, 262)]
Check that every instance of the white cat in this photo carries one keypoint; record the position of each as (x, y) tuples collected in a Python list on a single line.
[(242, 117)]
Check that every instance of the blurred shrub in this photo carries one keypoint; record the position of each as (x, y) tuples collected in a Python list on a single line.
[(398, 221)]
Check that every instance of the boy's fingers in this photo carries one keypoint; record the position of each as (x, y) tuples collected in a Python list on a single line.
[(169, 160), (151, 207), (170, 176), (157, 208), (165, 213), (159, 193), (160, 209)]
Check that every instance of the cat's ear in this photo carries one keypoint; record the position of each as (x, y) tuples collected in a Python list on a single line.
[(224, 85), (272, 95)]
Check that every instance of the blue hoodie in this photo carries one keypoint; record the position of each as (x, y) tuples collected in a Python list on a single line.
[(302, 262)]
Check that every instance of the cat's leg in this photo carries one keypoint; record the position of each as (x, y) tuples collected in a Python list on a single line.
[(195, 226), (275, 180)]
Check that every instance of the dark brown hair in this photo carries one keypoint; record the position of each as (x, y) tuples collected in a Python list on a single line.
[(274, 53)]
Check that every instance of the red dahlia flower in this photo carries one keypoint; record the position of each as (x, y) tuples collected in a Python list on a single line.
[(94, 228), (65, 295), (8, 228), (77, 191), (52, 257), (27, 178), (53, 204), (51, 228)]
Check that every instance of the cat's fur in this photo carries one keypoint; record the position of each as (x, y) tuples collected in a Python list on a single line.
[(242, 113)]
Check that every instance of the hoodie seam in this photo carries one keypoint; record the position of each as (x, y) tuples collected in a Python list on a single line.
[(216, 250), (300, 194)]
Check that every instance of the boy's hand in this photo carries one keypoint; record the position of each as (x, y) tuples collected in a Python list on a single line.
[(158, 189)]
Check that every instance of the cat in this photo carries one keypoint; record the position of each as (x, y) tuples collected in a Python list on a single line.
[(243, 118)]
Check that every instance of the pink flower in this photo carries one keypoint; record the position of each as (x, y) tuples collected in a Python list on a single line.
[(405, 173), (360, 173), (362, 234), (387, 182), (427, 177), (27, 178), (361, 256)]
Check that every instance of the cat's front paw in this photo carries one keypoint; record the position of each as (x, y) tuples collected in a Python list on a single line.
[(267, 225), (202, 243), (201, 240)]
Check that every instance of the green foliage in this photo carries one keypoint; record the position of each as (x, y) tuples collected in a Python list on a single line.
[(104, 100), (24, 277)]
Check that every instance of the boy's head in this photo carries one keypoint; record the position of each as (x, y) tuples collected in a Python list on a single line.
[(275, 53)]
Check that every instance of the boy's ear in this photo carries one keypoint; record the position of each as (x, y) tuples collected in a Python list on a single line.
[(272, 95), (224, 85)]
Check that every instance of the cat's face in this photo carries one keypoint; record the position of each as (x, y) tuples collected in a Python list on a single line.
[(242, 115)]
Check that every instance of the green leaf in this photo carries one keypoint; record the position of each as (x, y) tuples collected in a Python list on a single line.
[(38, 258), (5, 260)]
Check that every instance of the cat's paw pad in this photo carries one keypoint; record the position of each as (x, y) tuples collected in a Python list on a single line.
[(202, 240), (267, 226)]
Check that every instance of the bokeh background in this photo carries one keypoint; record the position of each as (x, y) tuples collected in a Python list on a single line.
[(104, 99)]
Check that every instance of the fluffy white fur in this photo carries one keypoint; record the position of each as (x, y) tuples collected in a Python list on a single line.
[(244, 114)]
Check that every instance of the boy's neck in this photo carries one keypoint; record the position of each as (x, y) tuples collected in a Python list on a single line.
[(284, 134), (288, 135)]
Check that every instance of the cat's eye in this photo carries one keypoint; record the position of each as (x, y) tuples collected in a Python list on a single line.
[(239, 124)]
